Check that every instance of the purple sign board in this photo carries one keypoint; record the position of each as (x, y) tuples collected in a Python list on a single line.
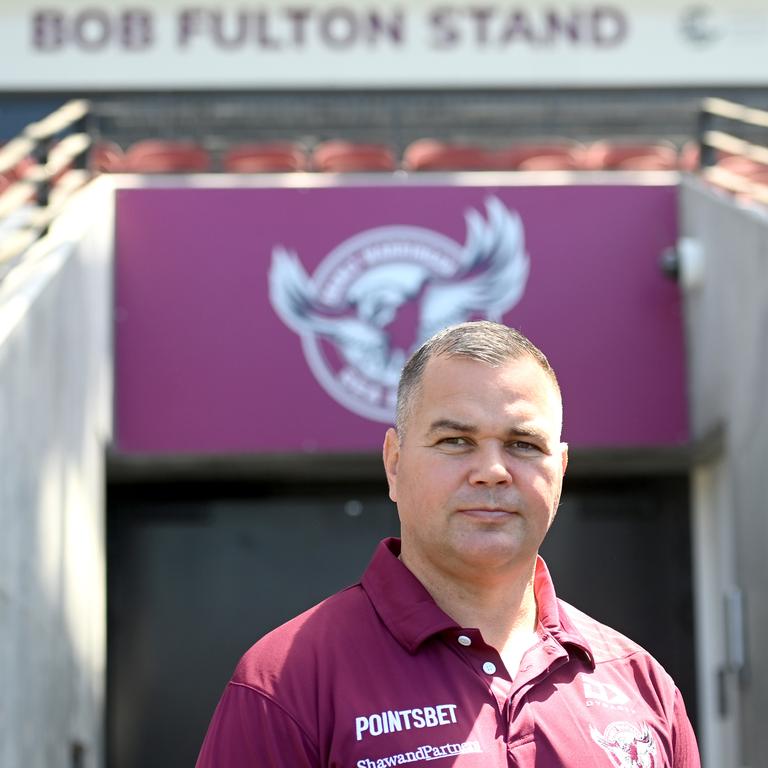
[(256, 320)]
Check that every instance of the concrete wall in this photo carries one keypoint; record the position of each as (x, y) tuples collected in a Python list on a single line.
[(727, 333), (55, 417)]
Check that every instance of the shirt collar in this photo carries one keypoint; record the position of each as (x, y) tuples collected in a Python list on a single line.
[(412, 616), (401, 600), (551, 616)]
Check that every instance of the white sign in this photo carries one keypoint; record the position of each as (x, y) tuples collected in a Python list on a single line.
[(420, 43)]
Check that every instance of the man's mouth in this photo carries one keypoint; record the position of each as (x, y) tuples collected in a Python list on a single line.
[(486, 513)]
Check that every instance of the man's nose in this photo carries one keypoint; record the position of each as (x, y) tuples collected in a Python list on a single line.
[(490, 465)]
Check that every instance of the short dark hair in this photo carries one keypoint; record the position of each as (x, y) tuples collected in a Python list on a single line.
[(481, 340)]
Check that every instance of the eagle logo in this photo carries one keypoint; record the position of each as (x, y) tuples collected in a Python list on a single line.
[(380, 294), (628, 745)]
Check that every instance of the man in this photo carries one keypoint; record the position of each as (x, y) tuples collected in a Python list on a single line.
[(454, 647)]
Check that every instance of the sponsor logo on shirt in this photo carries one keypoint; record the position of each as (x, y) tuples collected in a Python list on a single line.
[(426, 752), (605, 695), (395, 720), (627, 744)]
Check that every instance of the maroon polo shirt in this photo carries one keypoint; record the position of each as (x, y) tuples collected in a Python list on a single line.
[(378, 675)]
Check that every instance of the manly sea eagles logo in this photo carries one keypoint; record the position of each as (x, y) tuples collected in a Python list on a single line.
[(628, 745), (356, 314)]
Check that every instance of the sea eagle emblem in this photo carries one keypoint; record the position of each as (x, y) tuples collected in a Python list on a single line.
[(628, 745), (378, 295)]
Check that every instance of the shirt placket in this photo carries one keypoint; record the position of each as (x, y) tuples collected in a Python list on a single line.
[(515, 719), (489, 667), (486, 663), (537, 664)]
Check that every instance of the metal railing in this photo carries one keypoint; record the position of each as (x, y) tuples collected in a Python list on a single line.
[(55, 152), (47, 162), (712, 140)]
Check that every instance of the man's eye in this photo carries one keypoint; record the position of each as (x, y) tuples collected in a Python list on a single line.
[(454, 441), (522, 445)]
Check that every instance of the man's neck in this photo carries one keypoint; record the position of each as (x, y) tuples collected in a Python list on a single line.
[(502, 608)]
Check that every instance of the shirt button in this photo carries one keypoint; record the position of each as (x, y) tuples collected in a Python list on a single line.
[(489, 668), (464, 640)]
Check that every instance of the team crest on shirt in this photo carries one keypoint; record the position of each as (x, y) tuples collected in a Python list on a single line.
[(379, 295), (628, 745)]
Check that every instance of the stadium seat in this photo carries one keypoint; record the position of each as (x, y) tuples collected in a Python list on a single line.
[(689, 157), (652, 162), (744, 172), (434, 155), (343, 156), (106, 157), (546, 156), (742, 166), (760, 177), (272, 157), (620, 156), (159, 156), (18, 170), (28, 163)]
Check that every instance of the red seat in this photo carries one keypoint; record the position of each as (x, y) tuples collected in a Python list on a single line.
[(106, 157), (741, 166), (272, 157), (689, 157), (545, 156), (745, 170), (760, 177), (343, 156), (158, 156), (614, 156), (662, 161), (17, 172), (550, 163), (434, 155)]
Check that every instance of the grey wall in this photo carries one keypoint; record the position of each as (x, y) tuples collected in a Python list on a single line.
[(727, 333), (55, 417)]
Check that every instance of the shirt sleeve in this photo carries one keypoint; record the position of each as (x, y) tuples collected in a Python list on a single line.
[(250, 730), (686, 751)]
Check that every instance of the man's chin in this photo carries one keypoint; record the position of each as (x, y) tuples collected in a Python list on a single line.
[(492, 553)]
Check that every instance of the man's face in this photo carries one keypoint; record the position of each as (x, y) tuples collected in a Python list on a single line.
[(478, 473)]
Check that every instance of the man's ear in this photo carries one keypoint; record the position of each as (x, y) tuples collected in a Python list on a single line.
[(391, 460), (564, 456)]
